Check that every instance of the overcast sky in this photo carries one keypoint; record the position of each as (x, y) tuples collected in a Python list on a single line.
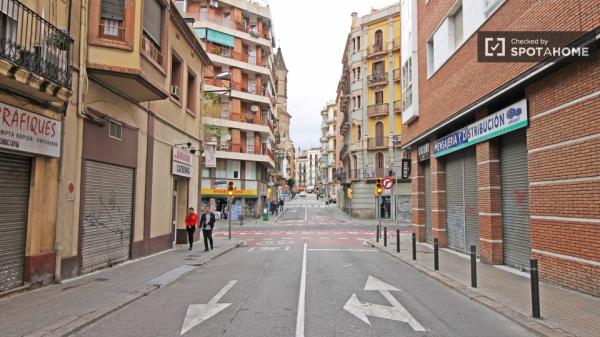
[(312, 34)]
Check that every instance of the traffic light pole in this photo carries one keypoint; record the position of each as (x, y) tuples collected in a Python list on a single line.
[(229, 215), (378, 215)]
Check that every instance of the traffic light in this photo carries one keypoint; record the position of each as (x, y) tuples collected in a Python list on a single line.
[(230, 189), (378, 187), (349, 192)]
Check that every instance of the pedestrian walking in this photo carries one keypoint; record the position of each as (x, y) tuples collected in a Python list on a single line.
[(191, 220), (207, 223), (281, 205)]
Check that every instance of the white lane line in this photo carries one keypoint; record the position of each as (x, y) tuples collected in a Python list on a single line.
[(305, 214), (342, 250), (221, 293), (301, 298)]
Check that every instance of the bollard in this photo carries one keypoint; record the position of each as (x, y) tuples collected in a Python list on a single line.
[(436, 256), (473, 267), (414, 245), (535, 289), (377, 234), (385, 236), (397, 240)]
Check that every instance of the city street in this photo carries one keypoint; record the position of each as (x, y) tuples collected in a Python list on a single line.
[(308, 274)]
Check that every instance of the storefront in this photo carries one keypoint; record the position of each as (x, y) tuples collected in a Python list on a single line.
[(26, 139), (182, 171), (216, 198)]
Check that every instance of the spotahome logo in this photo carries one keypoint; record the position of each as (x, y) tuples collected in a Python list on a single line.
[(533, 46)]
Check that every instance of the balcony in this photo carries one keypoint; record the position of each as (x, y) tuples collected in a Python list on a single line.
[(378, 143), (39, 47), (249, 152), (397, 106), (396, 43), (244, 91), (377, 49), (376, 110), (228, 26), (397, 75), (378, 79)]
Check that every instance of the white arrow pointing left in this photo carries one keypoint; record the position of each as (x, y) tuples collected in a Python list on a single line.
[(198, 313)]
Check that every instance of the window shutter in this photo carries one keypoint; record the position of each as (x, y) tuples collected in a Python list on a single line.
[(153, 20), (113, 9)]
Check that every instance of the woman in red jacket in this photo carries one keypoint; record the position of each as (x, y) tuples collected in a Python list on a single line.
[(191, 219)]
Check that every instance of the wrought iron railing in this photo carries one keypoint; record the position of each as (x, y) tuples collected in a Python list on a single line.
[(31, 42), (377, 109), (376, 78)]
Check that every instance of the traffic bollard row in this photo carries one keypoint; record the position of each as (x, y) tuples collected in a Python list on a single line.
[(473, 266), (377, 234), (397, 240), (436, 254), (385, 236), (414, 246), (535, 289)]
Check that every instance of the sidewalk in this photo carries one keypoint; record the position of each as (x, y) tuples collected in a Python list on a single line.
[(60, 309), (564, 312)]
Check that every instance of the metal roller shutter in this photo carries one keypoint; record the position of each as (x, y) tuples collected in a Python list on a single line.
[(515, 200), (470, 193), (15, 172), (108, 214), (427, 174), (455, 202)]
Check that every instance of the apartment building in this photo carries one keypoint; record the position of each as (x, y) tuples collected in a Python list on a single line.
[(101, 116), (328, 147), (238, 38), (307, 169), (369, 93), (285, 148), (520, 185)]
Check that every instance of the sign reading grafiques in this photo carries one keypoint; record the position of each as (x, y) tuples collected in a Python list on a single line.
[(28, 132)]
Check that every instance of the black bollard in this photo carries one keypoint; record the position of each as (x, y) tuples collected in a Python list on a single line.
[(535, 290), (436, 257), (414, 245), (397, 240), (473, 267), (377, 234), (385, 236)]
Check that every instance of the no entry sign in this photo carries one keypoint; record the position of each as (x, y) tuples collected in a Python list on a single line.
[(387, 183)]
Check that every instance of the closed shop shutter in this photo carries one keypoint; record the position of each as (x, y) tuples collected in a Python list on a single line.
[(15, 172), (455, 206), (107, 215), (470, 192), (515, 200), (427, 174)]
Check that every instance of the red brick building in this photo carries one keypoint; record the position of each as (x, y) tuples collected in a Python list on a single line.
[(526, 184)]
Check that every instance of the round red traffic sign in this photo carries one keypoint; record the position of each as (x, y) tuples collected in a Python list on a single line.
[(387, 183)]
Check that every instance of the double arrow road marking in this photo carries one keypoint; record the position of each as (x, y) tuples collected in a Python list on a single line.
[(395, 312)]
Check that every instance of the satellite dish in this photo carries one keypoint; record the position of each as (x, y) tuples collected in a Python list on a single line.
[(254, 108)]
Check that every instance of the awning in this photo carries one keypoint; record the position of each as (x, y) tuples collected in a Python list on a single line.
[(216, 37)]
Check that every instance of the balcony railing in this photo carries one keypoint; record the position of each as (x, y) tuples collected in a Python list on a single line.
[(33, 43), (380, 109), (244, 148), (370, 173), (377, 49), (230, 53), (151, 50), (397, 74), (377, 142), (217, 20), (377, 78), (396, 43), (397, 106)]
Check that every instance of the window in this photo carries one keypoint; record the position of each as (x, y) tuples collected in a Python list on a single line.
[(358, 43), (354, 74), (112, 17), (354, 103), (358, 133), (191, 92), (358, 73), (153, 29), (407, 84), (8, 27), (457, 20), (358, 102), (115, 130), (175, 76), (430, 57), (378, 69), (378, 46), (379, 97)]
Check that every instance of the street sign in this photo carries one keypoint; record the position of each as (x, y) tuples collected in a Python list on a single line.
[(198, 313), (388, 183), (395, 312), (406, 168)]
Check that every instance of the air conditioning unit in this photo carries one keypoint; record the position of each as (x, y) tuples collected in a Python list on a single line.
[(214, 3), (175, 92)]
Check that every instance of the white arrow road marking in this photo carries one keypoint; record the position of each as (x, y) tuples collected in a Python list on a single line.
[(396, 312), (198, 313)]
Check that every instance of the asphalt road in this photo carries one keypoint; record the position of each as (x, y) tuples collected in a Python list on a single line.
[(310, 274)]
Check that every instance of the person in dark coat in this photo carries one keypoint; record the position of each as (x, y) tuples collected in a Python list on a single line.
[(207, 223)]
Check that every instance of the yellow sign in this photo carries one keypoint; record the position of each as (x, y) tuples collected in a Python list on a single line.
[(223, 191)]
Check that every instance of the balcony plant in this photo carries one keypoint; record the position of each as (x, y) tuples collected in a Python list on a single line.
[(58, 40)]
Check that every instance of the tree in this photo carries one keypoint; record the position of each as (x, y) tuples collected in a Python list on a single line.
[(291, 182)]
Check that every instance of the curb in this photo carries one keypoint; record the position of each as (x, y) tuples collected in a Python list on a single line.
[(70, 325), (532, 325)]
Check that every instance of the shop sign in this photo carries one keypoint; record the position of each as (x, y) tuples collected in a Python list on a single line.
[(504, 121), (223, 191), (182, 163), (423, 152), (25, 131), (406, 163), (210, 160)]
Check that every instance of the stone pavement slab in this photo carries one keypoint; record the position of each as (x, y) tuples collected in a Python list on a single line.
[(564, 312), (60, 309)]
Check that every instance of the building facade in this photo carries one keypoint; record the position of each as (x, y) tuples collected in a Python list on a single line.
[(242, 124), (285, 149), (521, 187), (328, 150), (369, 92)]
